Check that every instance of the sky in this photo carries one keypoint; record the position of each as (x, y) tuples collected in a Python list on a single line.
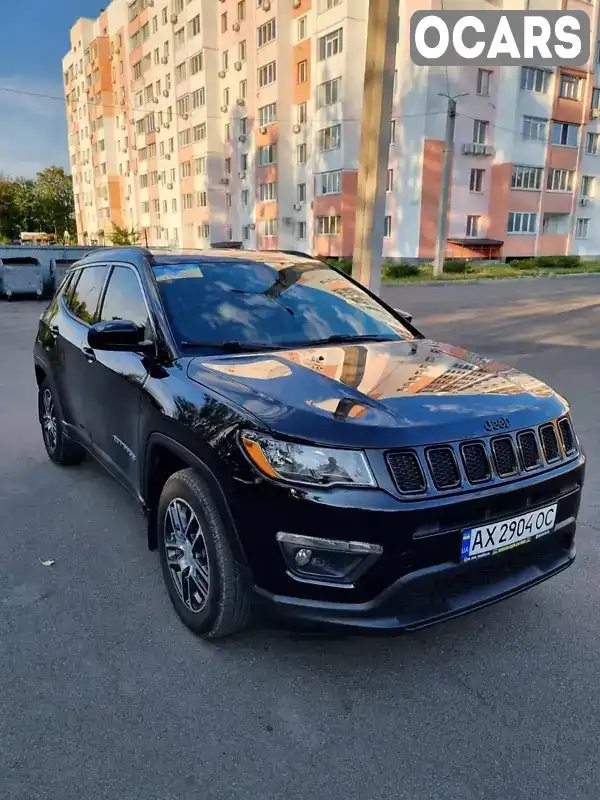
[(35, 38)]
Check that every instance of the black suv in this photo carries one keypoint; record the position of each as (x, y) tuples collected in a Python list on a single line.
[(299, 447)]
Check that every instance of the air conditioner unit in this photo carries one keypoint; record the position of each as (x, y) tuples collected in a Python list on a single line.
[(122, 101), (173, 19), (157, 130), (263, 129), (123, 127), (287, 220), (236, 26), (595, 113), (240, 101), (134, 146), (124, 150), (224, 109), (164, 60), (225, 181), (167, 125), (297, 3), (165, 92), (584, 201), (168, 156), (237, 66), (155, 99), (242, 137), (184, 116), (110, 58), (242, 176), (297, 128), (151, 3), (169, 185), (266, 6), (118, 50), (222, 73), (297, 206)]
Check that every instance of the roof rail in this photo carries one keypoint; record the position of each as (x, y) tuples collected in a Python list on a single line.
[(226, 245)]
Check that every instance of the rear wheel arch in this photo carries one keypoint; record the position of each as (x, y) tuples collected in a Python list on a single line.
[(40, 375), (164, 457)]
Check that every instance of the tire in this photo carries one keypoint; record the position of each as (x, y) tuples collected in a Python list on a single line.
[(215, 601), (60, 448)]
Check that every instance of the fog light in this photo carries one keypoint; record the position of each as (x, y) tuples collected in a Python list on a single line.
[(303, 557), (326, 560)]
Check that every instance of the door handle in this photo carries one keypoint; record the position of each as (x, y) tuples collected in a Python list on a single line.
[(89, 354)]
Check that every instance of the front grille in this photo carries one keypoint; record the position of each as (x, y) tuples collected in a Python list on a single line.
[(567, 436), (505, 457), (528, 447), (550, 442), (444, 466), (475, 460), (406, 472), (444, 469)]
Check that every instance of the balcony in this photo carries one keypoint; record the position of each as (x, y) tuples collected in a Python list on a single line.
[(476, 149)]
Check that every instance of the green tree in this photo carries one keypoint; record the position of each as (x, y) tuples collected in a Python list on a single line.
[(123, 237), (9, 214), (24, 191), (54, 204)]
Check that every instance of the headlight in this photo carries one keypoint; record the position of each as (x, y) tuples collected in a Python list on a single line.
[(322, 466)]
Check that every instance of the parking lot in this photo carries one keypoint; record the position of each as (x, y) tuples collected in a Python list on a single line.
[(104, 693)]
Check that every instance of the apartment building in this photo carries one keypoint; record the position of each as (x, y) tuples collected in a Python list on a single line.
[(202, 121)]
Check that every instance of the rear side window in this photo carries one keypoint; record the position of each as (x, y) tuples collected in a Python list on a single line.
[(83, 299), (124, 298)]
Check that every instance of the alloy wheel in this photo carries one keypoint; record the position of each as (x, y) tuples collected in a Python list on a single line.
[(49, 421), (187, 557)]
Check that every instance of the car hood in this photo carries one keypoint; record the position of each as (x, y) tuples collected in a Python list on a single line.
[(378, 394)]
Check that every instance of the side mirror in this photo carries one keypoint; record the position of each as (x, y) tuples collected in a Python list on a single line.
[(117, 334), (405, 314)]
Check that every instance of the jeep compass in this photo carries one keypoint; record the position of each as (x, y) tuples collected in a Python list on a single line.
[(300, 449)]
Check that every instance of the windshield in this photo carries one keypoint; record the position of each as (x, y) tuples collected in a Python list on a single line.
[(216, 302)]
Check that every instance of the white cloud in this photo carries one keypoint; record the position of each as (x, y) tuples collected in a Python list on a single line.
[(33, 131)]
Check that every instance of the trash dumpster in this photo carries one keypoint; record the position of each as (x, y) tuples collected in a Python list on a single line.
[(23, 276), (58, 270)]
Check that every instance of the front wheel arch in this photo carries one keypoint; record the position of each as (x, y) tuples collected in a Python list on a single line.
[(164, 457)]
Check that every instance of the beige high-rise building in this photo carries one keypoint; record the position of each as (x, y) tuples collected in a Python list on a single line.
[(199, 121)]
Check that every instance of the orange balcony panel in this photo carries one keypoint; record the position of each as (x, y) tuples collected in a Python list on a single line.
[(557, 202)]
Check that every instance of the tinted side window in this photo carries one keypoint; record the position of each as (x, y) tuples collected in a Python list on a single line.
[(124, 298), (83, 300)]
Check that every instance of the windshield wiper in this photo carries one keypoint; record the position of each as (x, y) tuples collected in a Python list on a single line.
[(234, 347), (340, 338)]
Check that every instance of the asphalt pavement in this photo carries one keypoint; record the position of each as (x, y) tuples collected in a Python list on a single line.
[(105, 695)]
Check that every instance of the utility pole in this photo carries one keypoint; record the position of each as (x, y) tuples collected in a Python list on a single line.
[(378, 94), (442, 226)]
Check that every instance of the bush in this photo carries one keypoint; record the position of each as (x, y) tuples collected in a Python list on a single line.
[(345, 264), (524, 264), (400, 270), (457, 267), (566, 262)]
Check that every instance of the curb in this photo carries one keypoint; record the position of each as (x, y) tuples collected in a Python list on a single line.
[(492, 280)]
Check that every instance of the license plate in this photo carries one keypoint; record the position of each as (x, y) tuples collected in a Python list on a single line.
[(501, 536)]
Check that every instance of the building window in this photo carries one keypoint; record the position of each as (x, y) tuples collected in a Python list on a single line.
[(387, 227), (225, 60), (330, 45), (246, 232), (188, 201), (267, 154), (196, 64), (174, 205), (228, 200), (179, 39), (581, 228), (526, 177), (199, 97), (245, 197), (326, 5), (226, 96), (184, 138), (329, 183), (535, 129), (241, 10), (522, 222), (267, 115), (484, 77), (473, 225), (200, 165), (592, 144), (302, 28), (330, 138), (180, 72), (560, 180), (301, 230), (228, 166), (201, 199), (328, 226), (569, 87), (587, 185), (204, 231), (535, 80), (302, 75), (224, 22), (182, 105), (268, 227), (266, 33), (476, 180), (595, 106), (194, 26), (186, 169), (266, 192), (565, 134), (301, 193), (244, 126), (244, 88), (389, 181), (267, 74), (244, 162), (301, 113), (242, 51), (200, 132), (479, 131), (301, 153), (329, 93), (392, 131)]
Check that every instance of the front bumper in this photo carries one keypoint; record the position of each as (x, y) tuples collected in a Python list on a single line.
[(434, 594)]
